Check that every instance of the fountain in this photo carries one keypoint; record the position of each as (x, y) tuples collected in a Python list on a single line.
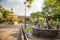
[(44, 32), (48, 32)]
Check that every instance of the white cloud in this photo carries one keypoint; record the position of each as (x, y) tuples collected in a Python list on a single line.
[(10, 0), (13, 0), (19, 1), (36, 6), (18, 6)]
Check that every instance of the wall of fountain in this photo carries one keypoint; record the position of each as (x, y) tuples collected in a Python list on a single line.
[(44, 32)]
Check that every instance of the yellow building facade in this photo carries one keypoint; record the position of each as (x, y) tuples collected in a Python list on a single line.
[(13, 18)]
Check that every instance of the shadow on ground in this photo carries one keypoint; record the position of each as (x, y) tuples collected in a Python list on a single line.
[(15, 35)]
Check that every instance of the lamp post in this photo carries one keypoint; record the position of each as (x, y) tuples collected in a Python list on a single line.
[(25, 11)]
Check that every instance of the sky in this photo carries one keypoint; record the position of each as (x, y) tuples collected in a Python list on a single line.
[(19, 7)]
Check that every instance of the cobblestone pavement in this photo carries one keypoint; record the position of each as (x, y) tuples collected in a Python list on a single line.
[(13, 33), (10, 33)]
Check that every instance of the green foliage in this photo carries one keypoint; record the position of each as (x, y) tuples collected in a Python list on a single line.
[(29, 2), (35, 17), (52, 14), (27, 28), (27, 18), (23, 20), (20, 20), (37, 21), (57, 9), (51, 6), (36, 14), (55, 16), (5, 13), (49, 2), (31, 20), (2, 10), (1, 19), (42, 21), (29, 6)]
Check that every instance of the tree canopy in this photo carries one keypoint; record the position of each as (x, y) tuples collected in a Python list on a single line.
[(36, 14), (52, 7), (4, 13), (35, 17), (29, 2)]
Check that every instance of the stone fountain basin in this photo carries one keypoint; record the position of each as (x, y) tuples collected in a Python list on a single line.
[(46, 33)]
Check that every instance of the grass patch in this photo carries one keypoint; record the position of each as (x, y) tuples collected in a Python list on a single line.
[(27, 28)]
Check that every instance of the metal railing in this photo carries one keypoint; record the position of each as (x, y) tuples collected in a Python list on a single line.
[(21, 32)]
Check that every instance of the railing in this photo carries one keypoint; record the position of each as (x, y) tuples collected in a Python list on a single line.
[(22, 33)]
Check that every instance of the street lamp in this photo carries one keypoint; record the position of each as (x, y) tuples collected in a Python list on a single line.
[(25, 11)]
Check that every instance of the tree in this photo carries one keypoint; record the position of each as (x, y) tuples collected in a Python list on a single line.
[(55, 16), (29, 2), (5, 13), (51, 6), (36, 15), (20, 20), (27, 19), (1, 19), (1, 9)]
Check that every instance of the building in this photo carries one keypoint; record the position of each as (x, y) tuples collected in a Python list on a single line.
[(13, 18)]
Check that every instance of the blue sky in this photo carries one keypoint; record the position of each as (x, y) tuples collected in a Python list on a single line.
[(18, 6)]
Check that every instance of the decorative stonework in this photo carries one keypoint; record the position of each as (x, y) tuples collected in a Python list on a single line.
[(48, 33)]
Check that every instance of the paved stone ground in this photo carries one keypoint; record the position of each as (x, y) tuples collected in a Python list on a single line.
[(10, 33), (13, 33)]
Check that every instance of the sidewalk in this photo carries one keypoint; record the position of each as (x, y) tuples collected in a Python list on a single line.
[(10, 33)]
